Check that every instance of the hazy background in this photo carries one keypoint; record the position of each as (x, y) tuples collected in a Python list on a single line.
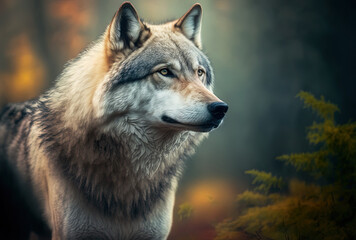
[(263, 53)]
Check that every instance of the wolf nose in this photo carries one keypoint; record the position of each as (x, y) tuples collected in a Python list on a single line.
[(218, 109)]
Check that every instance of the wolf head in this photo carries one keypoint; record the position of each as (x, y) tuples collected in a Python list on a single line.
[(153, 75)]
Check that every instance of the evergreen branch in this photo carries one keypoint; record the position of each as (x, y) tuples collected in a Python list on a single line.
[(316, 163), (324, 109), (265, 180)]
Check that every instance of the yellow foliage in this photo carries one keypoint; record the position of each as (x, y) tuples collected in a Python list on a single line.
[(264, 180), (227, 230), (308, 210), (26, 80), (302, 189), (185, 211), (304, 214), (249, 199), (324, 109), (316, 163)]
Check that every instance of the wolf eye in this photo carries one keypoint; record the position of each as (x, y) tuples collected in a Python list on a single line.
[(200, 72), (166, 72)]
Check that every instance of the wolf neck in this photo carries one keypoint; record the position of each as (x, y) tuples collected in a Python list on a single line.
[(76, 86), (125, 173)]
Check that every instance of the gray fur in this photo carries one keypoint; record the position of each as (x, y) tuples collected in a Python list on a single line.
[(138, 67), (96, 150)]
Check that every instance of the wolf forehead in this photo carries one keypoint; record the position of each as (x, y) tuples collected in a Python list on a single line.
[(163, 49), (138, 66)]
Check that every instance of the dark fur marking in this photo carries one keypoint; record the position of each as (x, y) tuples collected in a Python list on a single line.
[(139, 42), (138, 67), (205, 62), (124, 22), (4, 111)]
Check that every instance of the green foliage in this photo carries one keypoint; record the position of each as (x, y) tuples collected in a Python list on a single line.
[(315, 163), (185, 211), (264, 180), (249, 199), (309, 210), (324, 109)]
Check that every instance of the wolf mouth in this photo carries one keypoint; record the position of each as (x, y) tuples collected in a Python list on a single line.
[(202, 127)]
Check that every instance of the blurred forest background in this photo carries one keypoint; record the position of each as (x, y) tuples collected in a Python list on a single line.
[(263, 52)]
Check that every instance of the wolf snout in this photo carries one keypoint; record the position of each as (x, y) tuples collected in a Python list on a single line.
[(218, 110)]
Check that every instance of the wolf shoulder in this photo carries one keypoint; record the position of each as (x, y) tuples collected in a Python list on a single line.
[(13, 114), (20, 209), (15, 124)]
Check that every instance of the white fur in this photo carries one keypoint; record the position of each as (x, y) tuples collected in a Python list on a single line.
[(131, 114)]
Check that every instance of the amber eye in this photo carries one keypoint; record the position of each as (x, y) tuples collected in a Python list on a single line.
[(200, 72), (164, 71)]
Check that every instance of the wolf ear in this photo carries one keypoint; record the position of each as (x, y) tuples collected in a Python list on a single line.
[(125, 30), (190, 24)]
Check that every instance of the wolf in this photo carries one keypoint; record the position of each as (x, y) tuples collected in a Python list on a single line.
[(102, 150)]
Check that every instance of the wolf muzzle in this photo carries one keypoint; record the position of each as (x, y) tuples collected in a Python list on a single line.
[(218, 110)]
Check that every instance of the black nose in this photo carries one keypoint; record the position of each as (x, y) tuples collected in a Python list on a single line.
[(218, 109)]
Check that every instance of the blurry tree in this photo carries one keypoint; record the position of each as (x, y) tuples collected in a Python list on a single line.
[(38, 37), (321, 209), (27, 75)]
